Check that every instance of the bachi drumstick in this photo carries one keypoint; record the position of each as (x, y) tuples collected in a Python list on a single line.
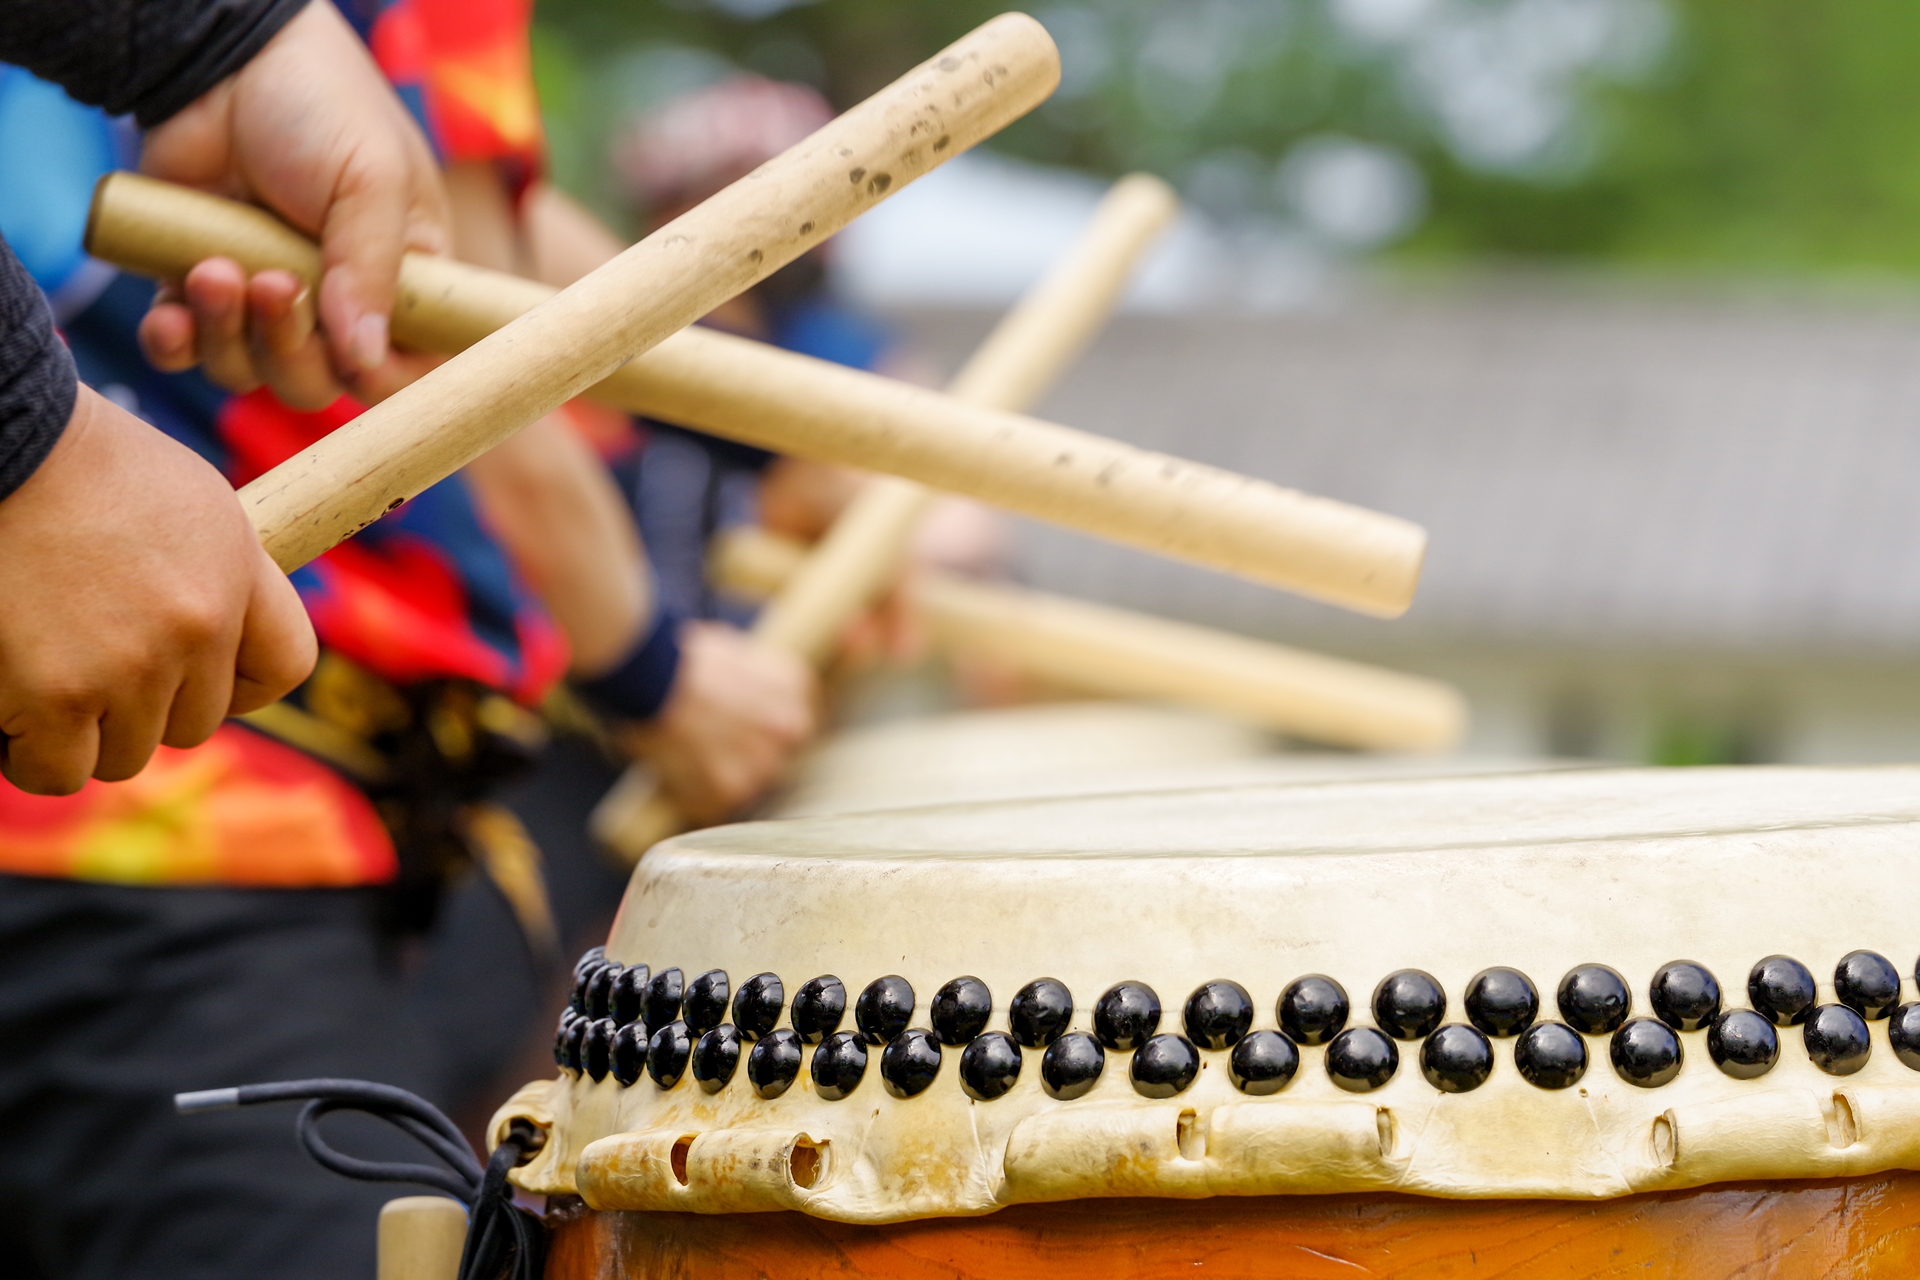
[(1099, 649), (861, 553), (793, 404)]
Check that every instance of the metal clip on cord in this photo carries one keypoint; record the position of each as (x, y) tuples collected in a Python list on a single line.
[(504, 1241)]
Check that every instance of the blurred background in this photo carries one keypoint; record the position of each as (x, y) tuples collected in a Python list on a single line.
[(1614, 296)]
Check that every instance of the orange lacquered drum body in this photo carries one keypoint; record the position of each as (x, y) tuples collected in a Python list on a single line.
[(1577, 1023)]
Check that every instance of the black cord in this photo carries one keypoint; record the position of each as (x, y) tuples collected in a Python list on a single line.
[(504, 1241)]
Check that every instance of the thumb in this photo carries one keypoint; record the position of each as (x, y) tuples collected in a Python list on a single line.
[(362, 238), (277, 647)]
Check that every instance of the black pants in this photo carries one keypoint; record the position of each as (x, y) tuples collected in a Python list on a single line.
[(112, 998)]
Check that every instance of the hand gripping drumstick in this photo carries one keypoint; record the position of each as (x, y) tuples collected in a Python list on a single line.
[(861, 553), (1098, 649), (788, 403)]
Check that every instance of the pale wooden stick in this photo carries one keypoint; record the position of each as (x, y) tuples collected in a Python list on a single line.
[(862, 552), (1117, 653), (421, 1238), (726, 244), (792, 404)]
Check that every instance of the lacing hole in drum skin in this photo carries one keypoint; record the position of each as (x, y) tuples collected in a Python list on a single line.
[(989, 1066), (600, 990), (774, 1063), (1594, 999), (1550, 1055), (1645, 1052), (716, 1057), (1408, 1004), (576, 1037), (667, 1054), (909, 1063), (629, 999), (818, 1007), (663, 998), (1040, 1012), (1743, 1044), (1456, 1058), (838, 1065), (1164, 1066), (630, 1054), (1218, 1013), (596, 1048), (1903, 1033), (960, 1010), (757, 1004), (1782, 990), (1313, 1009), (883, 1009), (1263, 1063), (1867, 984), (1071, 1066), (1684, 995), (1126, 1015), (1502, 1002), (1360, 1059), (1836, 1039), (706, 1003)]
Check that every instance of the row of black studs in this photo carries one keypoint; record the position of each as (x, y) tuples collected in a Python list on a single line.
[(604, 1030)]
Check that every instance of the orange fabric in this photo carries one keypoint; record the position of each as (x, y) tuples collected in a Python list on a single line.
[(241, 809)]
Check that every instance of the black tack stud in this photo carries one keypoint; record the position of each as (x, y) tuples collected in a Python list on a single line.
[(757, 1005), (1743, 1044), (818, 1007), (630, 1054), (1836, 1039), (706, 1002), (1218, 1013), (1782, 990), (1360, 1059), (667, 1054), (989, 1065), (1684, 995), (596, 1048), (1126, 1015), (1408, 1004), (883, 1009), (591, 958), (960, 1010), (1165, 1065), (1501, 1001), (576, 1042), (1071, 1065), (838, 1064), (910, 1062), (1866, 983), (1550, 1055), (1040, 1012), (715, 1057), (1645, 1052), (1903, 1033), (560, 1032), (664, 991), (582, 979), (1313, 1009), (1456, 1058), (1594, 999), (773, 1064), (1263, 1063), (628, 1003), (600, 990)]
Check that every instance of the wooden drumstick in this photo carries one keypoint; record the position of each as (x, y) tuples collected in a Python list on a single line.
[(1118, 653), (861, 554), (421, 1238), (789, 403)]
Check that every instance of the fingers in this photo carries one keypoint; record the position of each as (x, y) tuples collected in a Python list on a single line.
[(216, 295), (53, 755), (378, 212), (131, 729), (277, 646), (291, 355)]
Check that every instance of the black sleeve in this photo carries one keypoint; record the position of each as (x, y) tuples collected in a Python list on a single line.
[(37, 383), (148, 57)]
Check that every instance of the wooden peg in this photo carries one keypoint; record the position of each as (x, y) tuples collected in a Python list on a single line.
[(421, 1238)]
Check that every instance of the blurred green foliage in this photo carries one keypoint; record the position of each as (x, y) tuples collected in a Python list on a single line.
[(1765, 136)]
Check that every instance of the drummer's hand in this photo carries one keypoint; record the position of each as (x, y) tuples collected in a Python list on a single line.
[(738, 712), (136, 606), (310, 129)]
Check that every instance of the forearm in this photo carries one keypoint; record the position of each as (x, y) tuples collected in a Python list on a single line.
[(37, 381), (149, 58)]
